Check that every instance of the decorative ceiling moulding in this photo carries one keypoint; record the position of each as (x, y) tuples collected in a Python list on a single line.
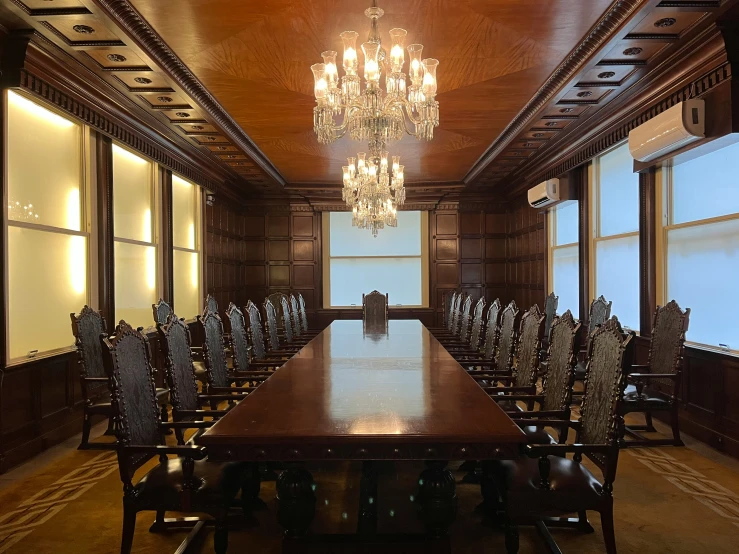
[(674, 83), (80, 43), (128, 19), (619, 13), (50, 10)]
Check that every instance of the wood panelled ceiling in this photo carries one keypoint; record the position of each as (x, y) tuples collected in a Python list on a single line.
[(254, 57)]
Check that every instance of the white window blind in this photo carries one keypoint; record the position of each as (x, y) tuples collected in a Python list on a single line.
[(616, 240), (391, 263), (702, 244), (564, 256)]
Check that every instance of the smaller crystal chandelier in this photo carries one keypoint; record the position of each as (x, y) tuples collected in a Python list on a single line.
[(372, 192), (20, 212)]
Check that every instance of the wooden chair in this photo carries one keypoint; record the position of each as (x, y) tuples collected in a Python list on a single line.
[(162, 311), (653, 387), (550, 311), (502, 360), (260, 355), (297, 320), (304, 316), (244, 361), (219, 378), (273, 335), (291, 338), (545, 483), (211, 305), (449, 299), (472, 346), (87, 328), (186, 483), (452, 328), (465, 324), (523, 380), (276, 299), (556, 395), (374, 307), (600, 311), (180, 371)]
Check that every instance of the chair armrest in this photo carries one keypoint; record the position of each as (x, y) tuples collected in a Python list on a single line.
[(647, 376), (541, 413), (477, 362), (219, 390), (517, 397), (640, 366), (219, 397), (187, 450), (538, 450), (96, 379), (492, 390), (249, 374), (551, 423), (488, 375), (266, 363), (187, 424), (202, 413)]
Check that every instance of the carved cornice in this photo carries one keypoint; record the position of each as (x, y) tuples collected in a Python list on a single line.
[(142, 33), (602, 32)]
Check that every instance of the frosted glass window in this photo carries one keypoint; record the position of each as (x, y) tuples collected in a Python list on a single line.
[(618, 193), (702, 261), (135, 283), (184, 216), (186, 268), (132, 196), (617, 277), (698, 184), (566, 223), (403, 240), (566, 278), (391, 263), (398, 277), (47, 280), (44, 165)]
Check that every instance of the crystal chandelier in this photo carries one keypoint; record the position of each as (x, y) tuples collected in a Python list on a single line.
[(372, 193), (379, 117)]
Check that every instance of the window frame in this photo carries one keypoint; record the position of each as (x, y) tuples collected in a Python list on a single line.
[(594, 232), (87, 222), (665, 202), (199, 234), (326, 264), (552, 246)]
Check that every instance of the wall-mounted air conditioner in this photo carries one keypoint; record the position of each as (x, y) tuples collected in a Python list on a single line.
[(672, 129), (544, 194)]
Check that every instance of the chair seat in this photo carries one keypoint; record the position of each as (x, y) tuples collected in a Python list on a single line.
[(537, 435), (162, 486), (100, 408), (572, 487), (631, 396)]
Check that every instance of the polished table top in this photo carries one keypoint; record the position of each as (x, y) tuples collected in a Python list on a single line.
[(353, 394)]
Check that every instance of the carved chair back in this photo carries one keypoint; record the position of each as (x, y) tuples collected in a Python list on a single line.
[(449, 299), (666, 345), (550, 310), (128, 362), (492, 330), (162, 311), (374, 307), (270, 324), (456, 309), (600, 311), (259, 349), (276, 299), (561, 363), (238, 337), (476, 331), (287, 321), (87, 328), (609, 354), (303, 313), (529, 342), (507, 338), (178, 367), (464, 322), (295, 314), (214, 349), (211, 305)]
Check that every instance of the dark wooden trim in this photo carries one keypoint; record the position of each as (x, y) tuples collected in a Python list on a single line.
[(106, 246), (579, 183), (647, 250), (126, 16), (165, 242)]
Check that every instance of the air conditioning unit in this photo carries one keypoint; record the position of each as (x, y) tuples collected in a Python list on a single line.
[(544, 194), (672, 129)]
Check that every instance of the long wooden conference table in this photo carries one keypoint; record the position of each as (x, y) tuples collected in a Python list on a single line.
[(370, 395)]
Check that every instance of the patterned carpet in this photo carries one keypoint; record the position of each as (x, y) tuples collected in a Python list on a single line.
[(667, 500)]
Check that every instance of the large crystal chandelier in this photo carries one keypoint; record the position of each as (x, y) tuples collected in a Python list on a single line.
[(379, 117)]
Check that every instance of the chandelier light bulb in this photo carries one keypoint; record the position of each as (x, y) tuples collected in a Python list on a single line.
[(371, 63), (349, 38), (331, 73), (320, 86), (415, 68), (429, 77), (397, 55)]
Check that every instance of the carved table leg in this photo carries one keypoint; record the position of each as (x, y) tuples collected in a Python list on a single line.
[(437, 498), (367, 524), (296, 500), (490, 506)]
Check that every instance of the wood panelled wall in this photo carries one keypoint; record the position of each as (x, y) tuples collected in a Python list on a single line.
[(526, 255)]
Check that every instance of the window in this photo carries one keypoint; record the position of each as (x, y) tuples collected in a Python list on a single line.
[(134, 224), (616, 233), (394, 262), (186, 221), (47, 227), (701, 244), (564, 259)]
